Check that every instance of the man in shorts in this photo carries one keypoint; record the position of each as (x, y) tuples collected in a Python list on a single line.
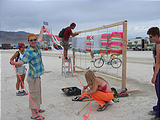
[(65, 39), (21, 70)]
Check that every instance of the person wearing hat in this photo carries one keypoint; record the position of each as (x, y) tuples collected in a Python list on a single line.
[(21, 70), (65, 39)]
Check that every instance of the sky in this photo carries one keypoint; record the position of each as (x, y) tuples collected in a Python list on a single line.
[(28, 15)]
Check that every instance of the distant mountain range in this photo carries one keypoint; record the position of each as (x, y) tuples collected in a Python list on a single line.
[(14, 38)]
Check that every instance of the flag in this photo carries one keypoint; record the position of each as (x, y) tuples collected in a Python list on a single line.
[(45, 23)]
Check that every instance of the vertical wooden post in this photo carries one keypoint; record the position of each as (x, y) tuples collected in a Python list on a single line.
[(73, 61), (124, 52)]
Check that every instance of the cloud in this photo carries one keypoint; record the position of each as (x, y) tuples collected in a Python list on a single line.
[(29, 15), (140, 29)]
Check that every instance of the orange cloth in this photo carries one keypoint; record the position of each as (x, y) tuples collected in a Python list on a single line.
[(100, 97), (84, 93)]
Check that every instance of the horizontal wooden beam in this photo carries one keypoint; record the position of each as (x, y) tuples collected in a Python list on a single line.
[(102, 74), (103, 27)]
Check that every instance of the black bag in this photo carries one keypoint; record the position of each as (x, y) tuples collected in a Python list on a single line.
[(72, 91), (61, 33)]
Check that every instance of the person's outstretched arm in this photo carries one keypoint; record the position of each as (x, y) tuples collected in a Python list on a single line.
[(75, 34), (40, 37), (17, 64)]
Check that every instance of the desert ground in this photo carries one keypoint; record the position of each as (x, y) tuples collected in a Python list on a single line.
[(61, 107)]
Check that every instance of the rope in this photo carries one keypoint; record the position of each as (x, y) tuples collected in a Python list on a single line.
[(84, 116), (27, 91)]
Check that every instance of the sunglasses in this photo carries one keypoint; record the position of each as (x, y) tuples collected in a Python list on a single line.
[(33, 40), (22, 47)]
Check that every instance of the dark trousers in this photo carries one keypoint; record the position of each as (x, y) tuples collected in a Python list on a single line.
[(156, 108)]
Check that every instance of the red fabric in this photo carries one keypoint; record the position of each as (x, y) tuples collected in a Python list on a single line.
[(104, 88), (67, 34), (21, 44)]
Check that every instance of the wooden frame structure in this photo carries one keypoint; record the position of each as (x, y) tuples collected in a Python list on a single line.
[(124, 48)]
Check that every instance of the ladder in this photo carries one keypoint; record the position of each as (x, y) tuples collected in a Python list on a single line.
[(66, 67)]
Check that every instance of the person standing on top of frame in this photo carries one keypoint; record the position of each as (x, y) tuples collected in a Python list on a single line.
[(65, 39)]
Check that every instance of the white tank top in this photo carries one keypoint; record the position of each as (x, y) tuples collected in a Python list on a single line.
[(20, 57)]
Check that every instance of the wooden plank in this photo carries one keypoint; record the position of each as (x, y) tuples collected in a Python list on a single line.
[(74, 61), (133, 91), (103, 27), (109, 76), (124, 58), (102, 74), (78, 71), (80, 68), (130, 91)]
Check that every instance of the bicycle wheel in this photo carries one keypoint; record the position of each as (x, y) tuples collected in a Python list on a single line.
[(99, 62), (116, 62)]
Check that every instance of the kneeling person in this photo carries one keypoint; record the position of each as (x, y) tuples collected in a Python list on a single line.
[(100, 90)]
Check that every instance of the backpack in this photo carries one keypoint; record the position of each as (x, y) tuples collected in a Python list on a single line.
[(72, 91), (16, 60), (61, 33)]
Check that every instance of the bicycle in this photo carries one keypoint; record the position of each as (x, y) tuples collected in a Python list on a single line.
[(114, 61)]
